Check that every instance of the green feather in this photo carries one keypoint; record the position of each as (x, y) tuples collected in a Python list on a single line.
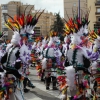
[(74, 56), (0, 33)]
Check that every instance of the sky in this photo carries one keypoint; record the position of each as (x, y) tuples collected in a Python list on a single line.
[(53, 6)]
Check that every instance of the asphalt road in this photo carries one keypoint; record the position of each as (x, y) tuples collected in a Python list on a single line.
[(40, 92)]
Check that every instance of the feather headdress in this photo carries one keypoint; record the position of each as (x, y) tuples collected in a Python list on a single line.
[(24, 24), (74, 24), (94, 34)]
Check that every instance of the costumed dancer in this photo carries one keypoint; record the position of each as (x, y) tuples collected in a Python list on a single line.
[(94, 55), (77, 57), (49, 63), (12, 65), (13, 49), (40, 49), (3, 88), (26, 48)]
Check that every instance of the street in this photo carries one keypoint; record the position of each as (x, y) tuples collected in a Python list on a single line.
[(40, 92)]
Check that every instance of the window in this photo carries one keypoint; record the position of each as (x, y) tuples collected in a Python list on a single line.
[(37, 28), (98, 10), (98, 19), (74, 4), (37, 31), (4, 29), (5, 37), (4, 7), (97, 26)]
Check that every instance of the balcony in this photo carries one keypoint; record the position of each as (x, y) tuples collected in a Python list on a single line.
[(4, 29), (5, 33), (97, 24), (4, 11), (97, 13), (3, 25), (97, 3)]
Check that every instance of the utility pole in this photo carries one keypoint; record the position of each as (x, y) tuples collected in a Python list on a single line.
[(79, 9)]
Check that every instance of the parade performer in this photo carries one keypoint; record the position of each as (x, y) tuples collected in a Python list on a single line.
[(95, 58), (13, 50), (3, 88), (77, 56), (12, 65), (40, 49), (26, 48), (51, 55)]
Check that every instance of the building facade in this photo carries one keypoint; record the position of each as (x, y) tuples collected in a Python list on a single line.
[(94, 15), (71, 8), (15, 8), (45, 22), (91, 6)]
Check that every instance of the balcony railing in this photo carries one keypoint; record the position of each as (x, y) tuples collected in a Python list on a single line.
[(97, 3), (97, 24), (97, 13), (6, 33), (4, 11)]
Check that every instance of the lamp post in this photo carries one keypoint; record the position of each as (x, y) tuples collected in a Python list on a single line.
[(79, 9)]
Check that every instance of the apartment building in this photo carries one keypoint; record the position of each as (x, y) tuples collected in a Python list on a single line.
[(15, 8), (94, 15), (45, 22), (12, 9), (92, 6), (71, 8)]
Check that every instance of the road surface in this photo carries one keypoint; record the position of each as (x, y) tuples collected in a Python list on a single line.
[(40, 92)]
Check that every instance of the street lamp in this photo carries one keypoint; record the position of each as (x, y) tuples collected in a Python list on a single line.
[(79, 9)]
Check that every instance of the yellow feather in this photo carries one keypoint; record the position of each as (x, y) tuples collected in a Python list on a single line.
[(16, 26), (67, 27), (18, 23), (94, 98), (7, 26)]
